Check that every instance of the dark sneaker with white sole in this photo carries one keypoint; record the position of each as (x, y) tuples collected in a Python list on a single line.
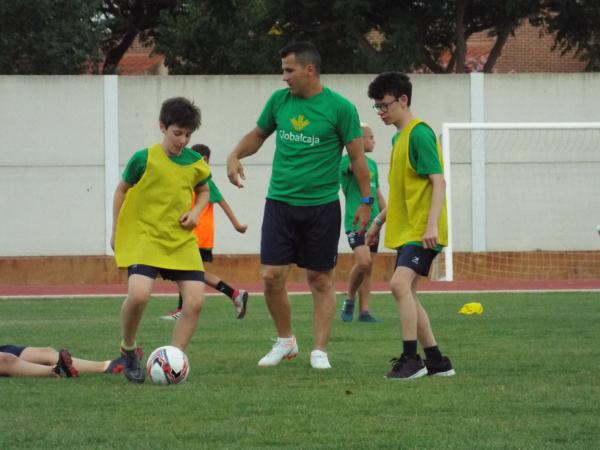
[(405, 368), (133, 369), (347, 312), (440, 367)]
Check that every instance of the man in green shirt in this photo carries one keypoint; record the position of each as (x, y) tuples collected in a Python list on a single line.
[(302, 217)]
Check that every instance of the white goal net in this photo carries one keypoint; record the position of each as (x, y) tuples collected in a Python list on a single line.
[(523, 200)]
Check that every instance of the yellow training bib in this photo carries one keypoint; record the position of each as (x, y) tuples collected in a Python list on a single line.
[(148, 230), (410, 197)]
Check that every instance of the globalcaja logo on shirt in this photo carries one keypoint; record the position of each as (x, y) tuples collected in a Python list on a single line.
[(299, 123)]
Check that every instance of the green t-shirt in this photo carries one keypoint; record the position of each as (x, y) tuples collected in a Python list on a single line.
[(310, 136), (422, 152), (136, 166), (352, 191), (215, 194)]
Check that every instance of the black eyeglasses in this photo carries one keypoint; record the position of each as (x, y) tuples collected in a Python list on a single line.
[(384, 106)]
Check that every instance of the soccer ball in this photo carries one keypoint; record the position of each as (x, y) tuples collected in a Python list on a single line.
[(167, 365)]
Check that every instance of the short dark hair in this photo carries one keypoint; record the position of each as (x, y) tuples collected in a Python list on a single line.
[(202, 149), (181, 112), (392, 83), (306, 53)]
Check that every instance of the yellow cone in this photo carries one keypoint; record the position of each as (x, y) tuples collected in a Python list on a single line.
[(471, 308)]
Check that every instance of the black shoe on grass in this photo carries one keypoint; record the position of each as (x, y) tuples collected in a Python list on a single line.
[(368, 318), (405, 368), (440, 367), (133, 369), (347, 312)]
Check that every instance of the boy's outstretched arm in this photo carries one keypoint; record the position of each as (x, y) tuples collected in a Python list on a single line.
[(118, 200), (241, 228)]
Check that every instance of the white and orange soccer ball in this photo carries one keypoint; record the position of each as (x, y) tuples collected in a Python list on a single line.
[(167, 365)]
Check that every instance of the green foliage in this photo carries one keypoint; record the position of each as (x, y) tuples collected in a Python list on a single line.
[(353, 36), (434, 28), (577, 28), (48, 37), (124, 20), (220, 36), (527, 378)]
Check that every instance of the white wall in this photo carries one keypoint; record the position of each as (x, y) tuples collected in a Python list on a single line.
[(52, 159)]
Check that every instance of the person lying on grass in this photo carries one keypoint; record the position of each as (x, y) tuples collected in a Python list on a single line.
[(24, 361)]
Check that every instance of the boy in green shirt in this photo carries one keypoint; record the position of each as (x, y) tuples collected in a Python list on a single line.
[(152, 227), (416, 221), (360, 274)]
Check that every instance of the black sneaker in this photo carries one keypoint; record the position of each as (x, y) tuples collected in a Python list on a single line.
[(368, 318), (133, 369), (440, 367), (64, 367), (347, 310), (405, 368)]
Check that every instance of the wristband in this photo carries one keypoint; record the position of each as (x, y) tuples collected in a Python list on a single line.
[(377, 221), (367, 200)]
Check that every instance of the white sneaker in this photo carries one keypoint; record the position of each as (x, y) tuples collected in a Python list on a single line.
[(173, 315), (319, 360), (283, 348), (240, 299)]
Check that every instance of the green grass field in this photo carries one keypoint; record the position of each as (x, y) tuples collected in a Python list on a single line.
[(527, 377)]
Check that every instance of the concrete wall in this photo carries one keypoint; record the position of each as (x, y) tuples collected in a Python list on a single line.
[(52, 177)]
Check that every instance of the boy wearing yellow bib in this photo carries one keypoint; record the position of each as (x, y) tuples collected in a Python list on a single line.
[(417, 226), (153, 223)]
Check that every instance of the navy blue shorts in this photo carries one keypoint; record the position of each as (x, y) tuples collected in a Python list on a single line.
[(305, 235), (356, 239), (166, 274), (206, 254), (416, 258), (12, 349)]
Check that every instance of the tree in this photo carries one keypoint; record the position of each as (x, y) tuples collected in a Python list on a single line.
[(233, 36), (220, 36), (48, 37), (347, 39), (124, 20), (576, 24), (438, 27)]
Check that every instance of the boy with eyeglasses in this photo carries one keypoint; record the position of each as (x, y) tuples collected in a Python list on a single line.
[(416, 221)]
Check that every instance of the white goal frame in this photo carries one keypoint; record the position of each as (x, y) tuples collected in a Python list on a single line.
[(478, 174)]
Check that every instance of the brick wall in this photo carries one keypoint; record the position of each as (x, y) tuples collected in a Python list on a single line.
[(530, 51)]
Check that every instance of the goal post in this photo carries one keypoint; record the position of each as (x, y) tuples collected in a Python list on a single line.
[(489, 158)]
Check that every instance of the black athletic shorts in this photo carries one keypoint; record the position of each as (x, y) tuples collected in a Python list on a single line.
[(356, 239), (12, 349), (305, 235), (166, 274), (206, 254), (416, 258)]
